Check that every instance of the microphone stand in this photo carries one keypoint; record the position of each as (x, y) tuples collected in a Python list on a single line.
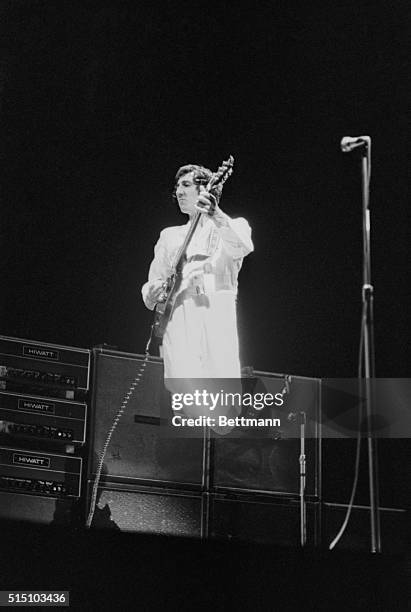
[(368, 349), (301, 419), (303, 506)]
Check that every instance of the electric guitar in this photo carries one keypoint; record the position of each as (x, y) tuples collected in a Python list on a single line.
[(164, 308)]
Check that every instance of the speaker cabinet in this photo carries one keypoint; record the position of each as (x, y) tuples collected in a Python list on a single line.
[(266, 520), (138, 452), (231, 488), (271, 463), (42, 510), (264, 465), (149, 510)]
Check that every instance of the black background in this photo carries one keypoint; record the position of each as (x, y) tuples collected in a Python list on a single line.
[(102, 101)]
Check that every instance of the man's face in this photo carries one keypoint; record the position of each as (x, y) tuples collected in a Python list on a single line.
[(187, 193)]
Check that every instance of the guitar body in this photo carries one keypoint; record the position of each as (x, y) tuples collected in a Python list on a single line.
[(164, 309)]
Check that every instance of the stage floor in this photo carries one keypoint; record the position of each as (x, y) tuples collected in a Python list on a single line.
[(124, 571)]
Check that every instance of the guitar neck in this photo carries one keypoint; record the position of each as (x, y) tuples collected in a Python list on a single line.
[(219, 177), (187, 240)]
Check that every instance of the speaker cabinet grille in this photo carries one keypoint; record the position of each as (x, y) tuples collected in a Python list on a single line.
[(43, 510), (149, 510), (268, 521), (264, 465), (272, 464), (138, 451)]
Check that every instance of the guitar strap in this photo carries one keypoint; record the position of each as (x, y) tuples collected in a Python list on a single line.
[(212, 242)]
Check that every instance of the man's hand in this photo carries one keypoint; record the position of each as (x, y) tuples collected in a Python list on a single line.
[(157, 291), (207, 203)]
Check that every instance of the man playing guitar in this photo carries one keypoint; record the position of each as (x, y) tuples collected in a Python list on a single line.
[(200, 338)]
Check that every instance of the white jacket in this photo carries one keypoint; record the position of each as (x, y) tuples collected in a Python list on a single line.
[(214, 257)]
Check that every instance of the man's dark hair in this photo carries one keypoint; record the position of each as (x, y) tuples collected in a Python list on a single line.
[(201, 176)]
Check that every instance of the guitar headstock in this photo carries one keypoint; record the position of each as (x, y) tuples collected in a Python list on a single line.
[(222, 174)]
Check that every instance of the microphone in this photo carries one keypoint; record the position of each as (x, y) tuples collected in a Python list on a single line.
[(349, 143)]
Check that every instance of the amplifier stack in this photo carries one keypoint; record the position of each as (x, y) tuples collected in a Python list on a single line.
[(43, 422), (234, 488), (225, 488), (58, 405)]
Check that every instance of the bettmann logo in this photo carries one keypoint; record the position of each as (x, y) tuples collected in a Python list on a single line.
[(35, 460), (40, 352), (33, 406)]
